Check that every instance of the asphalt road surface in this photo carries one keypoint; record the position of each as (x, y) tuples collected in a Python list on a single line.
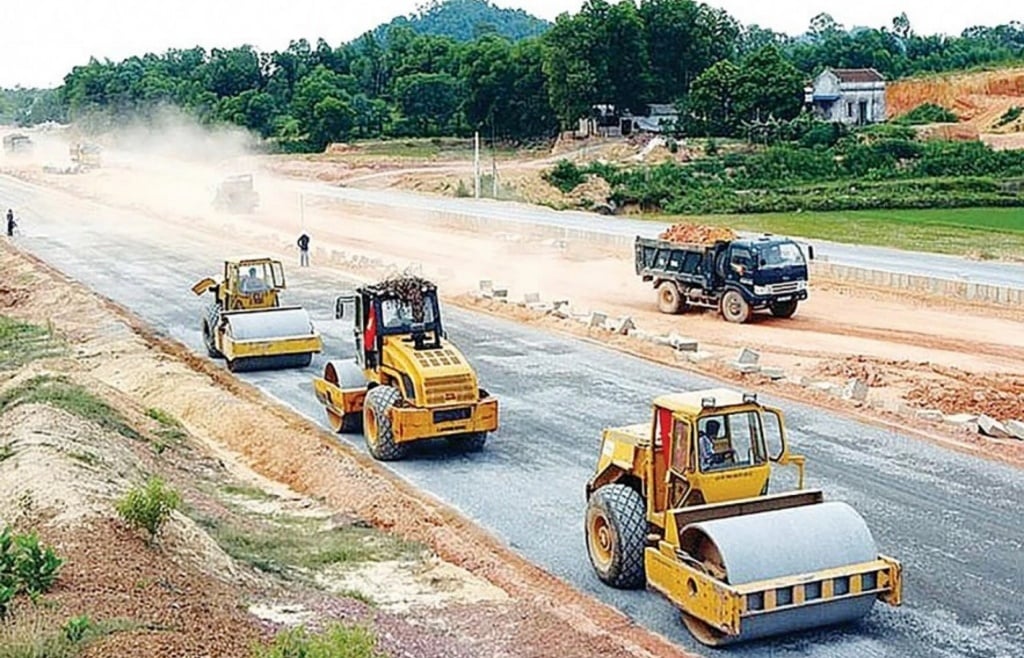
[(875, 258), (955, 521)]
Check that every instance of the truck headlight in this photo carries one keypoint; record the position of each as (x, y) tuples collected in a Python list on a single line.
[(801, 285), (762, 291)]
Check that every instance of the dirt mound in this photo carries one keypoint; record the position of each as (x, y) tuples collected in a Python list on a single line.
[(998, 397), (697, 234), (11, 297), (870, 371)]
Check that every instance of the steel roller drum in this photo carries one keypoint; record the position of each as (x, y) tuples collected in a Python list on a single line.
[(270, 324), (781, 543)]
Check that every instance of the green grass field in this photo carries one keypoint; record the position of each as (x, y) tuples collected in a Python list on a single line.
[(987, 233)]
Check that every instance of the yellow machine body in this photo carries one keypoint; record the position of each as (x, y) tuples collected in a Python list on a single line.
[(408, 382), (85, 155), (680, 499), (247, 325)]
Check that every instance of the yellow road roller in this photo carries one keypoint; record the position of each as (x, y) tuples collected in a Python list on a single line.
[(246, 323), (407, 382), (681, 505)]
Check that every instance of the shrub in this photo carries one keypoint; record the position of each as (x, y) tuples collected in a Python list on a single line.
[(927, 113), (148, 507), (565, 176), (37, 565), (1009, 116)]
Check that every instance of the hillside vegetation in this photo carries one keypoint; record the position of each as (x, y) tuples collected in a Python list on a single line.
[(466, 20)]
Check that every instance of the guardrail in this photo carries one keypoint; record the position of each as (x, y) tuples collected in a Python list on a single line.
[(950, 288)]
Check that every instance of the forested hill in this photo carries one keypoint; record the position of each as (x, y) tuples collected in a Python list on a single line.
[(467, 20)]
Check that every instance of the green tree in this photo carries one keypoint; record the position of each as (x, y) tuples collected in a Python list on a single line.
[(428, 101)]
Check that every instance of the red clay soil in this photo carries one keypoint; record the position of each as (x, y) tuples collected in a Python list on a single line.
[(697, 234)]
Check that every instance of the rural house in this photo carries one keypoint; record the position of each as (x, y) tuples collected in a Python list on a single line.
[(850, 96), (607, 121)]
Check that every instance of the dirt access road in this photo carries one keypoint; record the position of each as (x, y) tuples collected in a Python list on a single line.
[(913, 353), (901, 485)]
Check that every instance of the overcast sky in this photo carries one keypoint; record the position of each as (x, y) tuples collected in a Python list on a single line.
[(42, 39)]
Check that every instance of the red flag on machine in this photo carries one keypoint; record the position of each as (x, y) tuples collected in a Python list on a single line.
[(370, 336)]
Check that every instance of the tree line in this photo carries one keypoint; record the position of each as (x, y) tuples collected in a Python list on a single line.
[(722, 74)]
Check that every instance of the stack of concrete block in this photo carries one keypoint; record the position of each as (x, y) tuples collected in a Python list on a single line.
[(991, 427)]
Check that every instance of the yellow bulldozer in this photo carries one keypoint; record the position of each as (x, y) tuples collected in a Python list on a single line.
[(246, 323), (85, 155), (407, 382), (681, 505)]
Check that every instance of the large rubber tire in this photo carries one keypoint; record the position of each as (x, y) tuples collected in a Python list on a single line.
[(734, 308), (784, 309), (670, 301), (377, 429), (616, 531), (209, 322)]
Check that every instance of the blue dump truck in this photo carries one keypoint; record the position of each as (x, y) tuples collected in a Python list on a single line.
[(734, 277)]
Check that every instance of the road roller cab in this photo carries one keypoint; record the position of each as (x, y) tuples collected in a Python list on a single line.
[(407, 382), (681, 505), (246, 323)]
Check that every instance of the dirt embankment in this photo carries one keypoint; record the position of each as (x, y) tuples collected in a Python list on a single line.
[(980, 100), (475, 597)]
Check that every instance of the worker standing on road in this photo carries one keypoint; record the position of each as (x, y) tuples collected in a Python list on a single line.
[(10, 222), (303, 250)]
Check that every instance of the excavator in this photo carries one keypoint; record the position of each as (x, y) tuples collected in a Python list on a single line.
[(407, 382), (681, 504), (246, 323)]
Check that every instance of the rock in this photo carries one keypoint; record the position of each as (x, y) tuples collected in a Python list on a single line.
[(748, 356), (622, 326), (1015, 428), (775, 374), (597, 319), (991, 427), (960, 419), (745, 368), (699, 356), (682, 343), (855, 390), (933, 415)]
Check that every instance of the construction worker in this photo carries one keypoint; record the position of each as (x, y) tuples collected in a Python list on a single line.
[(303, 250), (10, 222)]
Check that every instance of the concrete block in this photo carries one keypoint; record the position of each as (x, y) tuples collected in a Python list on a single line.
[(531, 298), (960, 419), (1016, 429), (541, 307), (933, 415), (748, 356), (682, 343), (991, 427), (500, 294), (699, 356), (597, 319), (560, 303), (621, 326), (855, 390), (486, 285), (775, 374), (824, 387), (745, 368), (563, 312)]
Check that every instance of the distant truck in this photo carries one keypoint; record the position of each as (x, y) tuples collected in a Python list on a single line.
[(17, 143), (734, 277), (237, 194)]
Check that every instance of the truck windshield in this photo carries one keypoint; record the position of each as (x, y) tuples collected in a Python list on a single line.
[(780, 254)]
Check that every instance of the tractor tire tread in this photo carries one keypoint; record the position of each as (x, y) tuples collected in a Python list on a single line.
[(624, 509), (380, 400)]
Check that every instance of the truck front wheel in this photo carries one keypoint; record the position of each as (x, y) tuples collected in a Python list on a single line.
[(669, 299), (784, 309), (734, 308)]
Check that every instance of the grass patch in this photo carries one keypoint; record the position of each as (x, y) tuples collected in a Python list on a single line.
[(995, 232), (32, 637), (336, 641), (170, 432), (293, 546), (246, 491), (6, 451), (21, 343), (86, 457), (59, 393)]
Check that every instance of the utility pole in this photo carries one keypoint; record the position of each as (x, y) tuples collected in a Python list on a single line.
[(494, 164), (476, 165)]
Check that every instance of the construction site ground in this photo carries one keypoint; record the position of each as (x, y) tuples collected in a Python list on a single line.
[(155, 227), (276, 529)]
